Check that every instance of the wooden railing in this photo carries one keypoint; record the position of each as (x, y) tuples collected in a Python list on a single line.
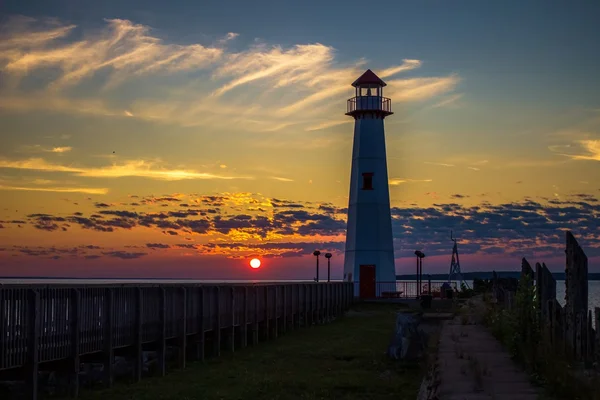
[(41, 323)]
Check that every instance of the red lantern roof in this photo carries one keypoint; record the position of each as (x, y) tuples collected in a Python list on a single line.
[(368, 78)]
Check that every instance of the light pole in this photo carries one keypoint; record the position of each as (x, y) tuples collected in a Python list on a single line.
[(419, 255), (328, 257), (317, 253)]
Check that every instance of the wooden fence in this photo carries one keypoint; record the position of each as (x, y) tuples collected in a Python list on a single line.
[(569, 329), (48, 323)]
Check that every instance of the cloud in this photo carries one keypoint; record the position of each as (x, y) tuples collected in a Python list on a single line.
[(282, 86), (399, 181), (278, 178), (519, 228), (407, 65), (39, 148), (101, 191), (440, 164), (449, 101), (591, 149), (420, 89), (285, 66), (123, 48), (61, 149), (124, 255), (136, 168)]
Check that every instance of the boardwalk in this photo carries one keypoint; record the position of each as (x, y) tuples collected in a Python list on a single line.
[(472, 365), (51, 323)]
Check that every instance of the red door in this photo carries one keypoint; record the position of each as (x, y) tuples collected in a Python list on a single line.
[(367, 282)]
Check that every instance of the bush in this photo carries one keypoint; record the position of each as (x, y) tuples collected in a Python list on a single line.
[(520, 331)]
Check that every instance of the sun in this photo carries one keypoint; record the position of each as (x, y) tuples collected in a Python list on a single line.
[(255, 263)]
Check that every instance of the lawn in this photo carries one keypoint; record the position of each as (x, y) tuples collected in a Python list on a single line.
[(342, 360)]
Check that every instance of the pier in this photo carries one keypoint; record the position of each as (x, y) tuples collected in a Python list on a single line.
[(61, 324)]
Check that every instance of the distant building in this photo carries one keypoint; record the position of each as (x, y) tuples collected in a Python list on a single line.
[(369, 254)]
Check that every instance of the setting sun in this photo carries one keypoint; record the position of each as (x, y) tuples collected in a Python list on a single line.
[(255, 263)]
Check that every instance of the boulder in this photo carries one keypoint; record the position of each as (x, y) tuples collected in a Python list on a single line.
[(409, 340)]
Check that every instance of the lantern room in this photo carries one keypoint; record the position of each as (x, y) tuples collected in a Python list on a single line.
[(369, 97)]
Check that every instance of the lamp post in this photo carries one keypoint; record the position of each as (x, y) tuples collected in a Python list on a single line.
[(317, 253), (420, 256), (328, 257)]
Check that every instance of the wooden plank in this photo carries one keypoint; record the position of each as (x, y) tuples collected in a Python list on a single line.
[(107, 338), (3, 328), (266, 311), (245, 321), (277, 303), (217, 329), (162, 334), (231, 343), (33, 342), (75, 320), (597, 333), (576, 294), (256, 314), (138, 364), (201, 329), (183, 330), (285, 311)]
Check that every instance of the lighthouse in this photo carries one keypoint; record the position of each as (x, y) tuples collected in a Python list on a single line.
[(369, 256)]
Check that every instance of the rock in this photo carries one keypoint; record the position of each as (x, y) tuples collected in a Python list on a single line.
[(409, 339), (122, 367)]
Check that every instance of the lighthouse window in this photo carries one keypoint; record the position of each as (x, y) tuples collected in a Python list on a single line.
[(367, 181)]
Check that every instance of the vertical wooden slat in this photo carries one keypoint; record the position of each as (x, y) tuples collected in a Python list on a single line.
[(266, 303), (4, 328), (245, 319), (201, 327), (277, 303), (138, 335), (217, 328), (33, 342), (256, 314), (162, 333), (75, 317), (108, 337), (183, 329), (284, 312), (231, 343)]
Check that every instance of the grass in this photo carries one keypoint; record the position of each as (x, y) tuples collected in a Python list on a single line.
[(342, 360)]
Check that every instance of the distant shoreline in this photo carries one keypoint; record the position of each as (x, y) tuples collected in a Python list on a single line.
[(469, 276)]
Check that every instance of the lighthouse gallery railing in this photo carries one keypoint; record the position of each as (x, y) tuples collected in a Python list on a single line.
[(375, 103)]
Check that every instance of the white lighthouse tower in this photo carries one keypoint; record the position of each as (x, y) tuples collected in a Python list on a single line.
[(369, 254)]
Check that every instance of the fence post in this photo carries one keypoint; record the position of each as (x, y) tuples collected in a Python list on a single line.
[(33, 341)]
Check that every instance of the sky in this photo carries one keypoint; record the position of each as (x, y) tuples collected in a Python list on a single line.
[(181, 139)]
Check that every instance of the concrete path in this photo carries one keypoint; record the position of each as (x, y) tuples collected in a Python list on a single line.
[(472, 365)]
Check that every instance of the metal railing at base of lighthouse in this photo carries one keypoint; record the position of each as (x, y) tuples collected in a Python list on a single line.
[(402, 289)]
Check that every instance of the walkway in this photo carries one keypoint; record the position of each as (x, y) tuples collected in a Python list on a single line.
[(472, 365)]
